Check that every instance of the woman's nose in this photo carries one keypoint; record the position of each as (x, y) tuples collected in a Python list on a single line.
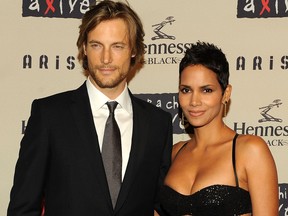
[(195, 99)]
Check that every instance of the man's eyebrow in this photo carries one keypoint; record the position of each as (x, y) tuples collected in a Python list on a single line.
[(117, 42), (94, 41)]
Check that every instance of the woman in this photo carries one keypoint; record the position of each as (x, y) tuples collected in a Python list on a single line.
[(216, 172)]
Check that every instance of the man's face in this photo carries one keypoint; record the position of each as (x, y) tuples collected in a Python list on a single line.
[(109, 54)]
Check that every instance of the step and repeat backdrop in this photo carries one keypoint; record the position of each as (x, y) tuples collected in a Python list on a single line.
[(38, 58)]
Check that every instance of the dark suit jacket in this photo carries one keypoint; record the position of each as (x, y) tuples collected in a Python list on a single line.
[(60, 160)]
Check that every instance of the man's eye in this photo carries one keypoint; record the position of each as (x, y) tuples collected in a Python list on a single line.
[(118, 46), (95, 45)]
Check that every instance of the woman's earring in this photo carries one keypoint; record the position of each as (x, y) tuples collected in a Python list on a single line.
[(183, 119), (225, 109)]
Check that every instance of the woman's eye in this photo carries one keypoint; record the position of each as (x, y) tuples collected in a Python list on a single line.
[(207, 90), (185, 90)]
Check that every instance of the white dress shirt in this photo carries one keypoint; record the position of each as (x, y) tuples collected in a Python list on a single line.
[(123, 116)]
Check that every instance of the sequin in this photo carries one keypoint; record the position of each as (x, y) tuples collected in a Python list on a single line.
[(215, 200)]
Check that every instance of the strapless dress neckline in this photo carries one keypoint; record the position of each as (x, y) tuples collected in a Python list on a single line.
[(213, 200)]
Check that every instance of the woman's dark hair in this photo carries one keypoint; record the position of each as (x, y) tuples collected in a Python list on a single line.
[(209, 56)]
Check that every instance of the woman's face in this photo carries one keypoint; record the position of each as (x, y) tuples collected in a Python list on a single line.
[(200, 96)]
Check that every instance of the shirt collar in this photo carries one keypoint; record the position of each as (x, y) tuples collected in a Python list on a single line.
[(98, 99)]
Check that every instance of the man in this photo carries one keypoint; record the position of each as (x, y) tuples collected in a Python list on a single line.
[(61, 160)]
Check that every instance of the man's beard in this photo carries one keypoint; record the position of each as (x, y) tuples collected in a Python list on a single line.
[(111, 83)]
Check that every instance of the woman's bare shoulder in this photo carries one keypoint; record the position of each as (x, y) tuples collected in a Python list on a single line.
[(250, 142), (177, 146), (260, 172), (251, 146)]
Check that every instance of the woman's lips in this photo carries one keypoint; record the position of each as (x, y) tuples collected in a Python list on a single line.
[(196, 113)]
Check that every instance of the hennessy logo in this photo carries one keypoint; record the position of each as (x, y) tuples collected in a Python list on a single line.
[(266, 109), (157, 30)]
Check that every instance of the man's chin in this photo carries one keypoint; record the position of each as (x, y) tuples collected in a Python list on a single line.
[(107, 84)]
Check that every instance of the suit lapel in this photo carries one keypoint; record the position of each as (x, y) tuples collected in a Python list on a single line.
[(82, 115), (139, 134)]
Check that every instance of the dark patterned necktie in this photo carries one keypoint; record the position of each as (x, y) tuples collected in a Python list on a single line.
[(111, 153)]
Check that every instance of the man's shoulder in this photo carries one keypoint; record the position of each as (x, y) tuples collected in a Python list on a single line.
[(63, 97)]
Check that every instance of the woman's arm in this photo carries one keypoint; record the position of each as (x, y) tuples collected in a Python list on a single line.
[(261, 177)]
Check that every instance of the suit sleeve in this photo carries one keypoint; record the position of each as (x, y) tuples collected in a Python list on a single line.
[(27, 192), (166, 160)]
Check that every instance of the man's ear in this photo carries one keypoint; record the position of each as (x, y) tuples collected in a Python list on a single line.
[(84, 49)]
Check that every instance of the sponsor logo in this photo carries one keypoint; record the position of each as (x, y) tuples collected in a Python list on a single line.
[(159, 32), (48, 62), (265, 112), (163, 47), (259, 63), (153, 51), (269, 128), (262, 8), (169, 103), (283, 199), (58, 8)]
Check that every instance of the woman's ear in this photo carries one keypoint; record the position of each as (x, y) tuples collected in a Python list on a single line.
[(227, 94)]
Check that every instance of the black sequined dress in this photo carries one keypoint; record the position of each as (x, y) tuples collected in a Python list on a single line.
[(214, 200)]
